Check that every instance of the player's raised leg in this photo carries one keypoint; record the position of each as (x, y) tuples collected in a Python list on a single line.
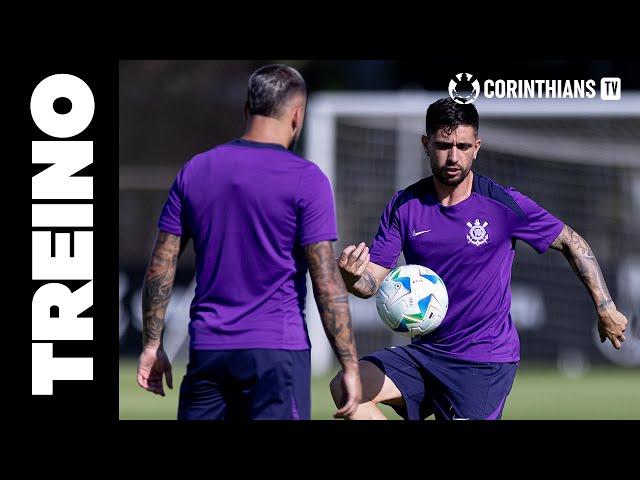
[(376, 388)]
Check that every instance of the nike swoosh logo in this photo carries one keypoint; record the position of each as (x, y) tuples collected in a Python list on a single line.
[(415, 234)]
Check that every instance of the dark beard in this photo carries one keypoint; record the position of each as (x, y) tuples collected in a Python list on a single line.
[(451, 182)]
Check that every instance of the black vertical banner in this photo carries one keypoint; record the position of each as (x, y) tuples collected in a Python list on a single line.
[(69, 227)]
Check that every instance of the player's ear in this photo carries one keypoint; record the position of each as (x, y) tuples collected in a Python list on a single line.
[(477, 147), (299, 106), (425, 143), (298, 118)]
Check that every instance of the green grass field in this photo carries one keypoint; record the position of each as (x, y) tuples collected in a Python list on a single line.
[(538, 393)]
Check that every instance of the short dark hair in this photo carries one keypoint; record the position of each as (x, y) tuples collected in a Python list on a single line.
[(449, 115), (271, 87)]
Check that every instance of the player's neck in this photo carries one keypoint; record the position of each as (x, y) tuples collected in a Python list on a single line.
[(450, 195), (267, 130)]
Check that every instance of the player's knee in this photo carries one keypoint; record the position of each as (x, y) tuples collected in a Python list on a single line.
[(336, 388)]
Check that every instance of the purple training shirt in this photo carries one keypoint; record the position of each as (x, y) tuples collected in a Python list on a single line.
[(249, 208), (471, 245)]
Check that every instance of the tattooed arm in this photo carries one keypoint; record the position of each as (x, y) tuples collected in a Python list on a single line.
[(156, 292), (333, 305), (611, 323), (361, 276)]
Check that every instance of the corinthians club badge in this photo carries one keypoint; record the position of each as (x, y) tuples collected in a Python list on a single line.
[(477, 233)]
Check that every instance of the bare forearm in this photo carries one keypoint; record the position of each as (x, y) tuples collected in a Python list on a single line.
[(332, 300), (336, 320), (157, 287), (611, 323), (584, 263)]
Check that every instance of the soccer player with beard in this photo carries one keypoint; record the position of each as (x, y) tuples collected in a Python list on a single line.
[(463, 226)]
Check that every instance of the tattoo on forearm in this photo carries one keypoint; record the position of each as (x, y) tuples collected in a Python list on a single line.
[(332, 300), (367, 286), (581, 258), (158, 284)]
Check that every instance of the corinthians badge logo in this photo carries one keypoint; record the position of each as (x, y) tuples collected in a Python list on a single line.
[(477, 233), (464, 88)]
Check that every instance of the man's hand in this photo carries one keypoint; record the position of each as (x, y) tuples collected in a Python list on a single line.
[(611, 325), (361, 276), (352, 389), (152, 364), (353, 262)]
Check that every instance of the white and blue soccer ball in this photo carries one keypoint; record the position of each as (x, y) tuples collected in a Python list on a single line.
[(412, 300)]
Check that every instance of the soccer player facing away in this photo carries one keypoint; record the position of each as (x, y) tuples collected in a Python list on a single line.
[(464, 227), (259, 217)]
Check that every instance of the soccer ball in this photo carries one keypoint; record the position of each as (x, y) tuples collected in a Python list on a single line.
[(412, 300)]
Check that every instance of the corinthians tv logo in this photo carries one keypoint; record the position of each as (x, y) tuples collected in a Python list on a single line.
[(464, 88)]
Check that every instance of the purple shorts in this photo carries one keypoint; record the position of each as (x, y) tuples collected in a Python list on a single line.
[(444, 386), (247, 384)]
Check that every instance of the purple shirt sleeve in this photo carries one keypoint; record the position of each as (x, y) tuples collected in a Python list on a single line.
[(387, 244), (171, 217), (316, 210), (537, 227)]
